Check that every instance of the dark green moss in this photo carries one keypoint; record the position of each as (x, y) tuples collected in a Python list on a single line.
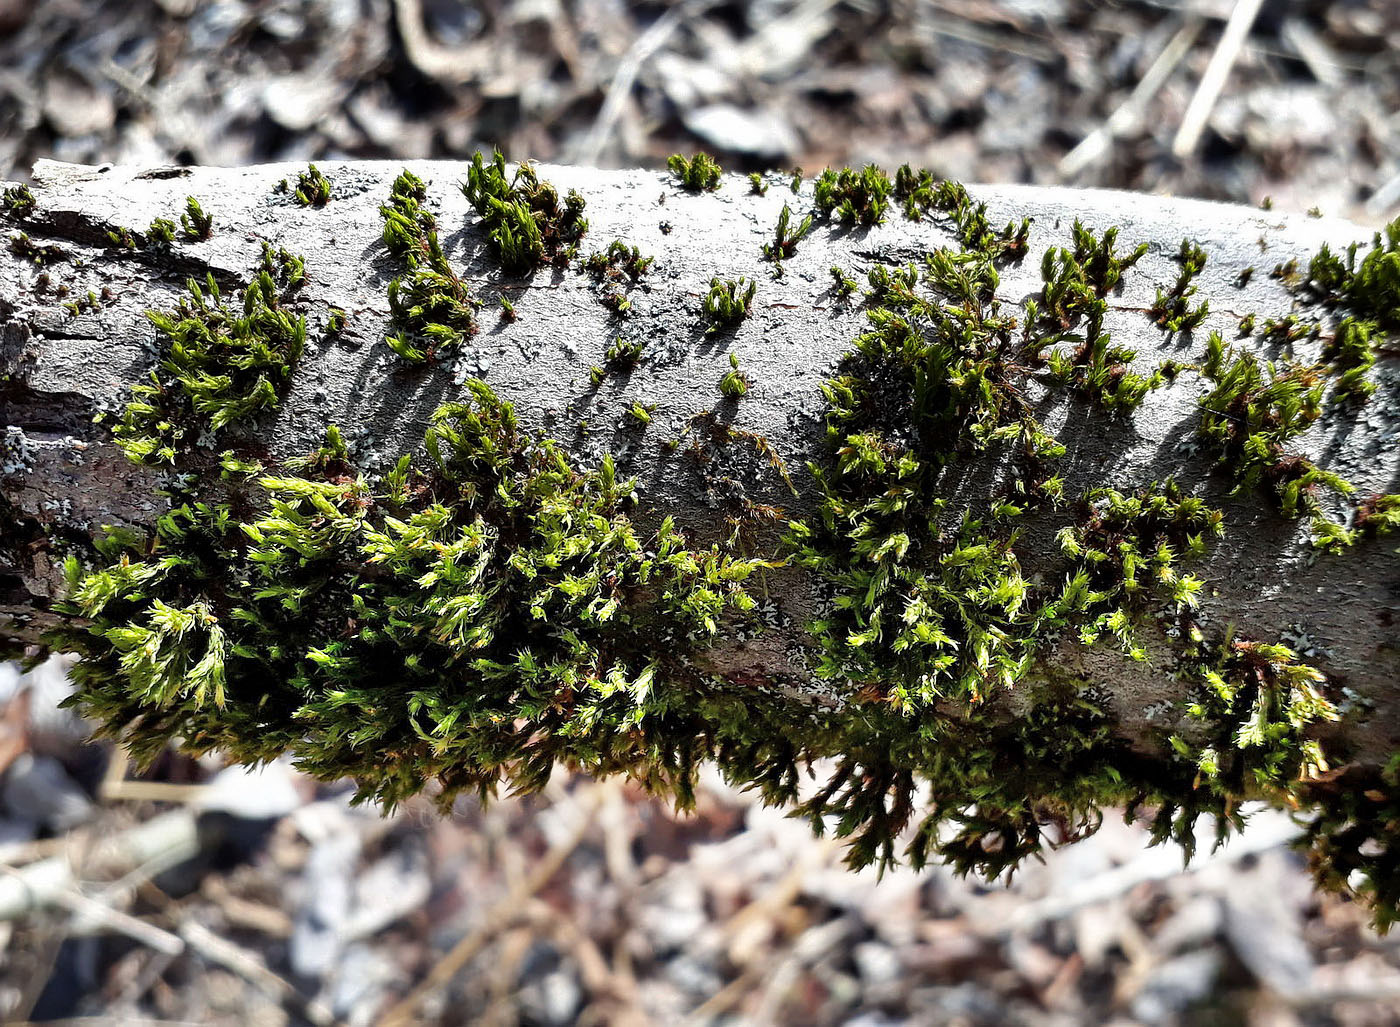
[(1172, 310), (38, 254), (433, 310), (18, 201), (313, 188), (727, 303), (219, 365), (701, 173), (195, 223), (523, 218)]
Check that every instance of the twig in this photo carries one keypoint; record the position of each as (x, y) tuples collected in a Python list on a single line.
[(1385, 197), (453, 65), (1130, 112), (171, 836), (91, 912), (251, 968), (1217, 71), (500, 916), (1315, 53), (620, 88)]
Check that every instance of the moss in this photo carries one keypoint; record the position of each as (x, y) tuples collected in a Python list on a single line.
[(219, 365), (1252, 411), (17, 201), (1076, 283), (842, 284), (1172, 310), (727, 303), (786, 237), (1367, 296), (853, 197), (82, 304), (735, 383), (335, 322), (122, 238), (618, 261), (38, 254), (313, 188), (523, 218), (195, 223), (1352, 837), (622, 355), (615, 269), (700, 173), (433, 310), (161, 234), (335, 615)]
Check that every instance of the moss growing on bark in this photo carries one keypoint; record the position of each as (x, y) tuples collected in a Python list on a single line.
[(490, 608)]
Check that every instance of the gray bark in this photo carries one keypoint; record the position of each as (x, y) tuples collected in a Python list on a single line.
[(62, 475)]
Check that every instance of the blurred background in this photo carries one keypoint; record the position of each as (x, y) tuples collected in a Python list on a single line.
[(195, 894)]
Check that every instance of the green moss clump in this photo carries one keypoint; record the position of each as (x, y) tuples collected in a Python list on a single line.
[(522, 215), (854, 197), (929, 604), (1076, 284), (194, 222), (734, 384), (701, 173), (470, 618), (219, 364), (617, 261), (786, 237), (727, 303), (38, 254), (1251, 413), (1257, 701), (1369, 290), (614, 269), (161, 234), (1126, 552), (122, 238), (18, 201), (1172, 310), (432, 307), (313, 188), (1352, 837), (1376, 515), (1367, 294)]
